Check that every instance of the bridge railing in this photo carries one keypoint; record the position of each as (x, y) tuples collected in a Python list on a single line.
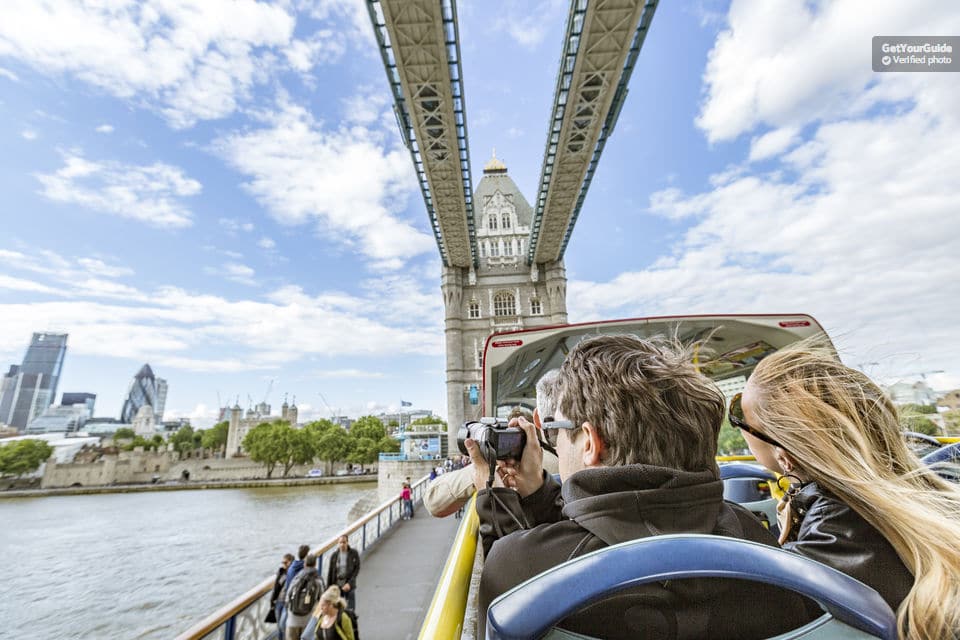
[(243, 618)]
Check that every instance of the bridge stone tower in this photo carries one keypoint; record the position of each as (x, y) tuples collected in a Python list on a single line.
[(502, 294)]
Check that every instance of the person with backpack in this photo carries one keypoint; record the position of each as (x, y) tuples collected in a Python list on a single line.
[(295, 568), (302, 597), (334, 620)]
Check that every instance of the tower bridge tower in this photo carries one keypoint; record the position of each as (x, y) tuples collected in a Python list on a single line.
[(502, 294)]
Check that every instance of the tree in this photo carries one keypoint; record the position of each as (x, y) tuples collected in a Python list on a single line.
[(365, 451), (368, 427), (952, 421), (333, 445), (123, 433), (429, 420), (182, 440), (215, 437), (297, 445), (730, 441), (157, 441), (23, 456), (920, 424), (388, 445), (262, 445)]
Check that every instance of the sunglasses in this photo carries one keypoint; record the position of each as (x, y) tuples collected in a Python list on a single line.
[(551, 429), (736, 419)]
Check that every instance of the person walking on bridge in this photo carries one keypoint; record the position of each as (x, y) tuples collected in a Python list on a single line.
[(344, 567), (295, 567)]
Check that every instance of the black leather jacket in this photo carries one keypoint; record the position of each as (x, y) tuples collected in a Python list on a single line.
[(836, 535)]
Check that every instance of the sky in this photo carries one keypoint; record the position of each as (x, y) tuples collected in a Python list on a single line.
[(218, 188)]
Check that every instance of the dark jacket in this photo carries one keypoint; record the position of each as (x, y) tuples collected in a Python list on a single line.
[(599, 507), (278, 586), (836, 535), (295, 567), (353, 568)]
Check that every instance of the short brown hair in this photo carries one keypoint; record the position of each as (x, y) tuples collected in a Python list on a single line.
[(645, 398)]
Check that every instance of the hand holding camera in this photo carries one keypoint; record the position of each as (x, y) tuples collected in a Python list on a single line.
[(513, 448)]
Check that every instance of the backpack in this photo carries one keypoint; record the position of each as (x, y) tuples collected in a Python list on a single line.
[(304, 593), (353, 620)]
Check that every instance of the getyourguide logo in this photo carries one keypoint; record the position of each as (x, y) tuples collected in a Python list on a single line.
[(794, 323), (506, 343)]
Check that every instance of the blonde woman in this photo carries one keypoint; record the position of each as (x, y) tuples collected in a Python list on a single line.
[(332, 623), (859, 500)]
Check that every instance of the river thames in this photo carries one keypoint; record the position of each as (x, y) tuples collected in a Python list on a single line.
[(148, 565)]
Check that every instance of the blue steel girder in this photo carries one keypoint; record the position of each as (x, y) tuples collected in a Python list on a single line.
[(419, 45), (603, 40)]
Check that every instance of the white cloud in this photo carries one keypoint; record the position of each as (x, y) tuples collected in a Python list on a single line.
[(28, 134), (527, 23), (99, 267), (784, 64), (266, 243), (152, 194), (233, 225), (104, 128), (180, 57), (772, 143), (9, 75), (347, 373), (855, 224), (343, 181)]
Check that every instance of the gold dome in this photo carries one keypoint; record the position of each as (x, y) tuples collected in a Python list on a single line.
[(494, 165)]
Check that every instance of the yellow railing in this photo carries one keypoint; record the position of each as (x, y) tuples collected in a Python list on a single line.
[(444, 620)]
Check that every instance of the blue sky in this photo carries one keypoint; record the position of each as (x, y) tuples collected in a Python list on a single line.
[(218, 188)]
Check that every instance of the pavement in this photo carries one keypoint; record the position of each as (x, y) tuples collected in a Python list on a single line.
[(399, 575)]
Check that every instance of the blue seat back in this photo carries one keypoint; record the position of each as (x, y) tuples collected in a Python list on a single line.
[(532, 608)]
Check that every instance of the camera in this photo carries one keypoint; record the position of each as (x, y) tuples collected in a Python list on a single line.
[(508, 442)]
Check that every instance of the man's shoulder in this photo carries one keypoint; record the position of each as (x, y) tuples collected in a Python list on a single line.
[(541, 547)]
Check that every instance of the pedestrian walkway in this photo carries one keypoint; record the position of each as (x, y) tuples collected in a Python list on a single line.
[(399, 576)]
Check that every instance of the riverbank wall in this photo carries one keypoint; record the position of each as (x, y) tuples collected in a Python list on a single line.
[(369, 479), (146, 467)]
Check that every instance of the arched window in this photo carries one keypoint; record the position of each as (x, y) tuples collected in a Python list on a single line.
[(504, 305), (481, 247), (505, 221), (535, 307), (473, 309), (492, 222)]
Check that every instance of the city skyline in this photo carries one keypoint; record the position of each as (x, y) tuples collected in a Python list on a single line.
[(234, 206)]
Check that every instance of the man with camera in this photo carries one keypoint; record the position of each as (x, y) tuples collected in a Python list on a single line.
[(635, 431)]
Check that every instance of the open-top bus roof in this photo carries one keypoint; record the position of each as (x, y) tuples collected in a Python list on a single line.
[(514, 361)]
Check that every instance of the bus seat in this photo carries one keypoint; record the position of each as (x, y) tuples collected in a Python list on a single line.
[(748, 485), (949, 454), (530, 610)]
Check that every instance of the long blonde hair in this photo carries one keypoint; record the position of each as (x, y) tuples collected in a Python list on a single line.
[(844, 433)]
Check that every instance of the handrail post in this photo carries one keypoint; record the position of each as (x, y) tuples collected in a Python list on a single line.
[(229, 628)]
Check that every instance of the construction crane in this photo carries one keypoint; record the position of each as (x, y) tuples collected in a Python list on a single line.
[(269, 389), (333, 414)]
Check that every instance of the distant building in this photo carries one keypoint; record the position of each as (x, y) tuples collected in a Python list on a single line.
[(87, 399), (60, 419), (28, 389), (950, 400), (104, 426), (144, 423), (241, 425), (912, 393), (145, 389)]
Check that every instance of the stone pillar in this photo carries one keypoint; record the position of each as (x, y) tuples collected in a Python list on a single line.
[(233, 431), (452, 289), (555, 276)]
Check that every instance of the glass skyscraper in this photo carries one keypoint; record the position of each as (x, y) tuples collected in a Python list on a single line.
[(30, 388), (145, 389)]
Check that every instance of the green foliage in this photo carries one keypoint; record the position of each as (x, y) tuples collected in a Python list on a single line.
[(388, 445), (730, 441), (334, 445), (123, 433), (368, 427), (262, 445), (215, 437), (920, 424), (951, 420), (365, 451), (182, 440), (297, 446), (913, 409), (23, 456), (157, 441), (429, 420)]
